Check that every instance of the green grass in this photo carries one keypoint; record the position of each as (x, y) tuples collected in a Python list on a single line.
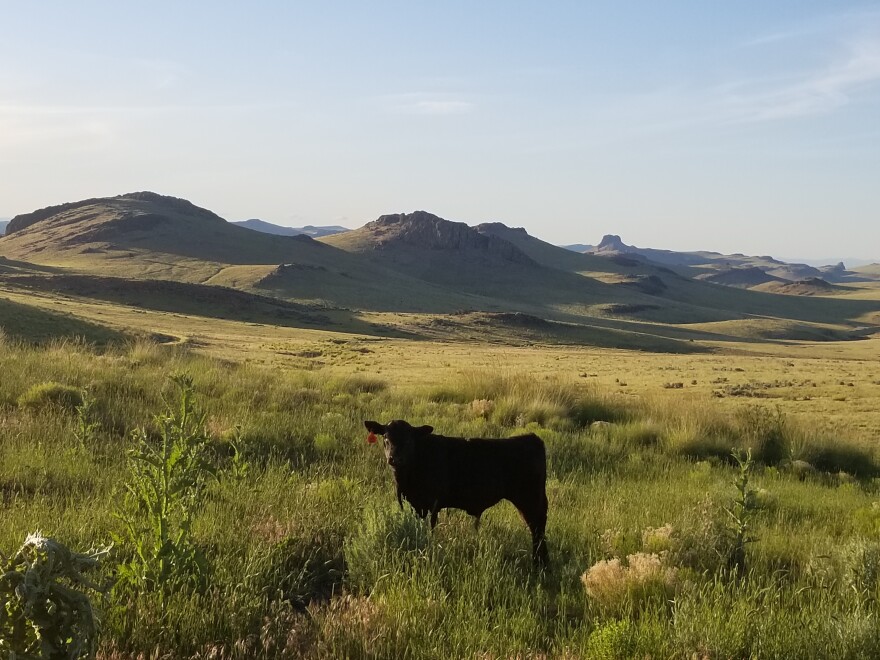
[(309, 556)]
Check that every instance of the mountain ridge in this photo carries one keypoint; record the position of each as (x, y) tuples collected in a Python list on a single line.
[(723, 268)]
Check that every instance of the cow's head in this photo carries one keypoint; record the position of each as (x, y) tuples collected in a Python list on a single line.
[(399, 439)]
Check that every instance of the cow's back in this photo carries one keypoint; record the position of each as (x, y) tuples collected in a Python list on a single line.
[(480, 472)]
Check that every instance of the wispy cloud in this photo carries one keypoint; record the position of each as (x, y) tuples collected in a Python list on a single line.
[(848, 79), (420, 103), (822, 26), (809, 93)]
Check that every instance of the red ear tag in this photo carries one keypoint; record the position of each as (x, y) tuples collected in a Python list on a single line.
[(372, 438)]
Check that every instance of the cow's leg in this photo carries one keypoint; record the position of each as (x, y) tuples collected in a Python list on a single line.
[(534, 512), (434, 513)]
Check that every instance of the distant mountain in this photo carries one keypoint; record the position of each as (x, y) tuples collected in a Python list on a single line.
[(743, 277), (848, 262), (279, 230), (3, 224), (579, 247), (737, 270)]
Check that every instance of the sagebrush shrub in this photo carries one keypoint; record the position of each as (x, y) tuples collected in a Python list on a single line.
[(624, 587)]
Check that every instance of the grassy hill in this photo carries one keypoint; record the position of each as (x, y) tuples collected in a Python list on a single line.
[(150, 236), (138, 226)]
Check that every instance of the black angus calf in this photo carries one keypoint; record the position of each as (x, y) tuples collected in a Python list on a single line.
[(434, 472)]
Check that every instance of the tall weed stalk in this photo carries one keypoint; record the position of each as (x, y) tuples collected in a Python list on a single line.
[(167, 477)]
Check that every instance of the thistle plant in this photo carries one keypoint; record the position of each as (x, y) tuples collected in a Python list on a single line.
[(743, 509), (86, 428), (167, 477), (45, 611)]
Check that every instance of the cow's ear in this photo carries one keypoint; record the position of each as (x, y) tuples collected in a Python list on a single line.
[(425, 430), (375, 427)]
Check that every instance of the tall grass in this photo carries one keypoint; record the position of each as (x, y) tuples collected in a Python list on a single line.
[(311, 557), (515, 399)]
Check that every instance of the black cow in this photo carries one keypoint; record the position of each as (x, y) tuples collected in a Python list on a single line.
[(434, 472)]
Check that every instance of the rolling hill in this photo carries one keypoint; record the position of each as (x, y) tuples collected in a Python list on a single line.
[(163, 253), (145, 223), (149, 236)]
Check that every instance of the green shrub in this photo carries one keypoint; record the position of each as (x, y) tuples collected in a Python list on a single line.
[(51, 395), (742, 510), (86, 428), (613, 641)]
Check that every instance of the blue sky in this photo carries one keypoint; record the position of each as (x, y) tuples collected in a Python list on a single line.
[(739, 127)]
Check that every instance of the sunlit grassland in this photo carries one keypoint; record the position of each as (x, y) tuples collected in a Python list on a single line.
[(832, 386), (309, 555)]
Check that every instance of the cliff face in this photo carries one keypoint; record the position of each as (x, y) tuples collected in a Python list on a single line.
[(427, 231)]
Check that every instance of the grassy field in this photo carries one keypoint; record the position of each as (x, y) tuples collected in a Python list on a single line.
[(307, 555)]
